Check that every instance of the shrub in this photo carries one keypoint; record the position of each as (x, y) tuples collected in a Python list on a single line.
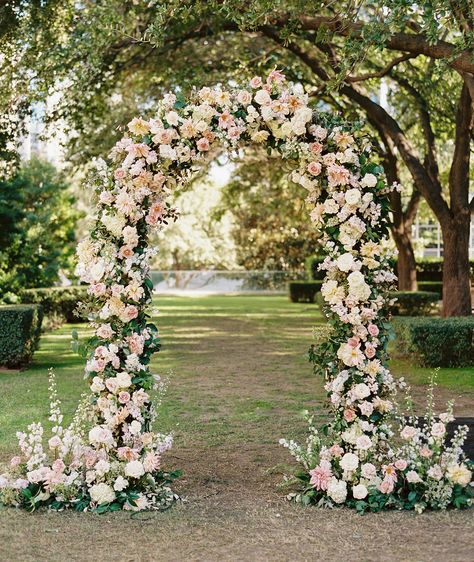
[(414, 303), (303, 291), (437, 342), (431, 287), (59, 303), (20, 330), (312, 271)]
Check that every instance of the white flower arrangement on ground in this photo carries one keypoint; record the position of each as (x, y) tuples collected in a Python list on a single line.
[(116, 464)]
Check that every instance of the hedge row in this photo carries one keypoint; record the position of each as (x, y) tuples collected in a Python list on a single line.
[(20, 330), (408, 303), (414, 303), (304, 291), (58, 303), (436, 342), (428, 270)]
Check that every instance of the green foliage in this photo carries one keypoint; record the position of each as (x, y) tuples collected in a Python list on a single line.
[(437, 342), (20, 329), (312, 263), (38, 217), (57, 302), (271, 230), (304, 291), (432, 287), (414, 303)]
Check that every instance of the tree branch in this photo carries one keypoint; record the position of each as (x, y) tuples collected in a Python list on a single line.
[(381, 73), (416, 44)]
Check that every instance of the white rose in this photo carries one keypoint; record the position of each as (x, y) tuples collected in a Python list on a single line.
[(349, 462), (120, 484), (358, 288), (360, 391), (102, 493), (413, 477), (167, 152), (345, 262), (134, 469), (101, 436), (352, 196), (337, 490), (172, 118), (438, 430), (368, 470), (459, 474), (369, 180), (97, 384), (359, 492), (135, 427), (97, 270), (124, 380), (262, 97), (435, 472), (102, 467), (364, 443)]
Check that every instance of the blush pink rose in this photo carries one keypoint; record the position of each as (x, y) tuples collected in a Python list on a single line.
[(353, 342), (314, 168), (386, 486), (336, 450), (126, 252), (369, 350), (401, 464), (349, 415), (97, 289), (373, 330), (104, 331), (203, 144), (316, 147), (124, 397), (131, 312), (256, 82), (119, 174)]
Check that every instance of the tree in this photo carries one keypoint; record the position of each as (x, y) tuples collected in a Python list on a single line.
[(197, 240), (338, 50), (38, 217), (271, 230)]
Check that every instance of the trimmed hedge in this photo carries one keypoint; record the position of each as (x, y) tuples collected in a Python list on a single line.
[(431, 287), (437, 342), (414, 303), (312, 271), (303, 291), (57, 302), (20, 330)]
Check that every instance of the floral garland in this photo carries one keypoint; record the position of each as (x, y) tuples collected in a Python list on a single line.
[(115, 463)]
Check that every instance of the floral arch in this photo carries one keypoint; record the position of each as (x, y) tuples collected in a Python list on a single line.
[(110, 456)]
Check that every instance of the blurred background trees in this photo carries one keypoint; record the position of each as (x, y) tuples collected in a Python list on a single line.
[(38, 215)]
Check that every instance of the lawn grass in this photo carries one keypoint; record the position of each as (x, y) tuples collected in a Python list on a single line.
[(196, 333), (239, 379)]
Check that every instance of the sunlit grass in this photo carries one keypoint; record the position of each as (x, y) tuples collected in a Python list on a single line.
[(237, 369)]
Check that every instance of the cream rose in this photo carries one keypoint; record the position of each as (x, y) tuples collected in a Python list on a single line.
[(102, 493), (134, 469)]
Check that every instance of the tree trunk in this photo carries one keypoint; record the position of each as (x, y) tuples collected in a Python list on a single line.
[(406, 264), (456, 277)]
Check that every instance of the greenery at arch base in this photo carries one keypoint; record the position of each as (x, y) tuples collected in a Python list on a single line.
[(109, 458)]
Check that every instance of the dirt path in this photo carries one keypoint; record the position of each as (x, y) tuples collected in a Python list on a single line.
[(240, 382)]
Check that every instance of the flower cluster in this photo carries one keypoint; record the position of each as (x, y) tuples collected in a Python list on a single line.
[(420, 470), (116, 462)]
